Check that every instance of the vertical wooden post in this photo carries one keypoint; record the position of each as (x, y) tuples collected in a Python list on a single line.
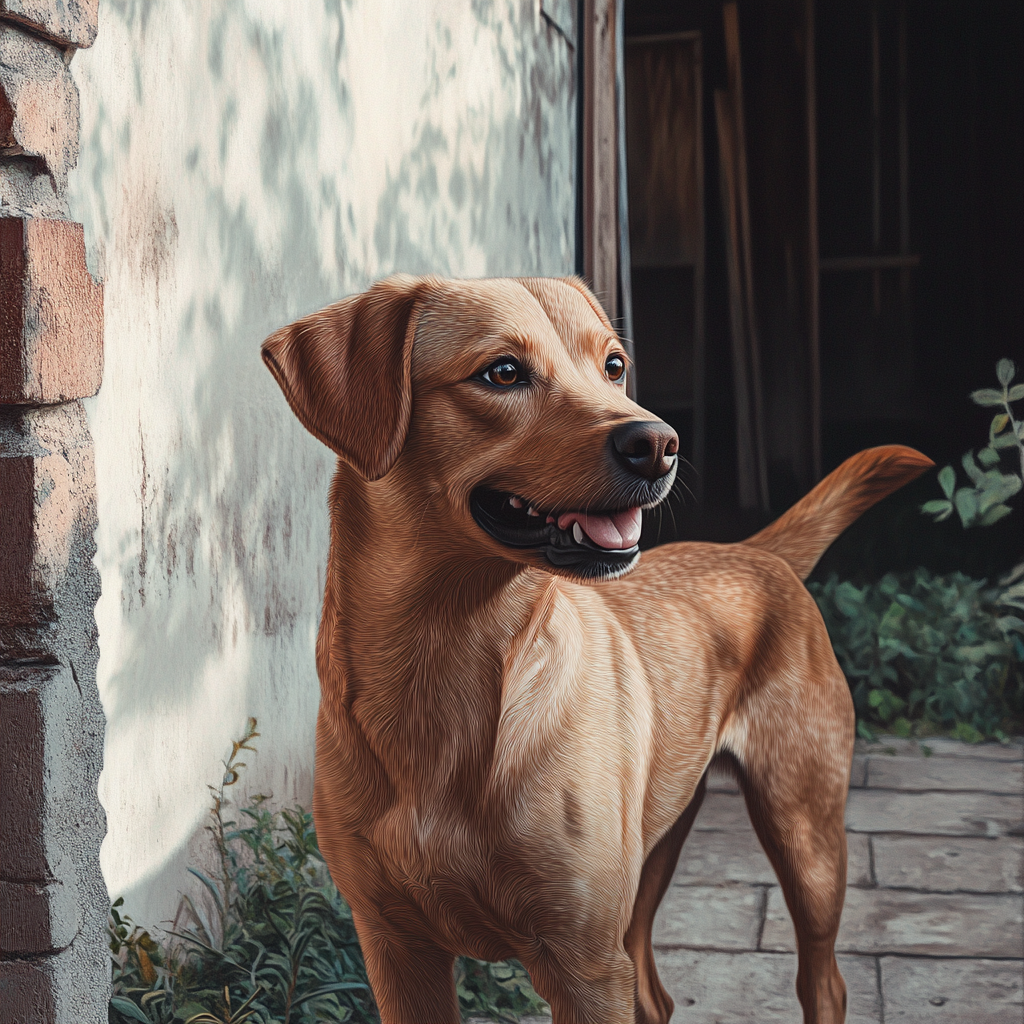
[(813, 269), (600, 154)]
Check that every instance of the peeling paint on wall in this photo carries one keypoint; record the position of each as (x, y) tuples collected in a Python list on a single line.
[(244, 163)]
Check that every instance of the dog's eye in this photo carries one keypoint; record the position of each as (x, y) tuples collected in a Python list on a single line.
[(504, 373), (615, 368)]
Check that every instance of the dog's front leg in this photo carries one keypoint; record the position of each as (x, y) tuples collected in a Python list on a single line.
[(412, 979), (584, 986)]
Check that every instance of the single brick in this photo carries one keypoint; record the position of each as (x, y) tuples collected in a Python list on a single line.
[(36, 918), (51, 742), (70, 987), (68, 22), (26, 992), (51, 314), (48, 583), (39, 114)]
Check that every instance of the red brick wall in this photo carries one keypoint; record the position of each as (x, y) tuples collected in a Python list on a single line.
[(53, 904)]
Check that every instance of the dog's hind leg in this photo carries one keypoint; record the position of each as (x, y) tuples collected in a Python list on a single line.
[(412, 982), (653, 1004), (794, 769)]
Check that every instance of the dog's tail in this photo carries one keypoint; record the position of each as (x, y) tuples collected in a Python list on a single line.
[(802, 534)]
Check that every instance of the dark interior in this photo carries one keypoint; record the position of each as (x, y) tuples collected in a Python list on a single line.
[(920, 228)]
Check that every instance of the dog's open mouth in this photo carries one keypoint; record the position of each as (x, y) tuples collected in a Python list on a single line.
[(590, 544)]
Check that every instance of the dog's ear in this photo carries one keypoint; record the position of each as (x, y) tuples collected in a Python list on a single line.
[(346, 371)]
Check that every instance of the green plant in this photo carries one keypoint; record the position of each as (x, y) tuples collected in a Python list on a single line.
[(984, 501), (274, 940), (927, 653)]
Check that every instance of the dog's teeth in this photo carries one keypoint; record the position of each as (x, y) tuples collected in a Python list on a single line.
[(577, 533), (515, 502), (531, 511)]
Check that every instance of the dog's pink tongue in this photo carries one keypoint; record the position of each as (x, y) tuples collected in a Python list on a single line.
[(615, 532)]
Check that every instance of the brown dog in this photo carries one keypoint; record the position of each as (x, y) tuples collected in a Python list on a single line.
[(509, 754)]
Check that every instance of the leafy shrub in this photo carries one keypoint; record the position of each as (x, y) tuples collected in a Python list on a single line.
[(926, 653), (984, 501), (278, 943)]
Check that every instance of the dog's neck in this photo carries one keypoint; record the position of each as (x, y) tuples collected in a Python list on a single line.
[(415, 633)]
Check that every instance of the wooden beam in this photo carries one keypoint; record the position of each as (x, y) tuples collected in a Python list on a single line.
[(813, 266), (752, 348), (600, 155)]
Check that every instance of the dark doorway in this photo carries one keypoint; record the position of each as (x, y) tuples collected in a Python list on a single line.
[(919, 180)]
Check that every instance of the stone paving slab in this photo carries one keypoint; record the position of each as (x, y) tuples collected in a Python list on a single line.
[(728, 917), (895, 921), (947, 773), (941, 864), (943, 746), (919, 991), (744, 988), (722, 812), (963, 814), (713, 858)]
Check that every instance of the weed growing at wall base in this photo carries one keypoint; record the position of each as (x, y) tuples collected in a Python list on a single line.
[(926, 653), (274, 940)]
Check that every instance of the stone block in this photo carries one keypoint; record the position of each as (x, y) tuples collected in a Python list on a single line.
[(949, 864), (713, 858), (722, 811), (51, 314), (36, 918), (920, 991), (48, 583), (879, 921), (38, 103), (67, 22), (924, 813), (945, 773), (738, 988), (942, 746), (723, 917)]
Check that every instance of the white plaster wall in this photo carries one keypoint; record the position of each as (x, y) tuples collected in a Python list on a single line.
[(244, 162)]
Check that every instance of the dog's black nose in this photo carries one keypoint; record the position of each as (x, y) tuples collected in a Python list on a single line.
[(647, 447)]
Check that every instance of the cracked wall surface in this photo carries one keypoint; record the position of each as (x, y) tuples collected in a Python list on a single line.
[(242, 164)]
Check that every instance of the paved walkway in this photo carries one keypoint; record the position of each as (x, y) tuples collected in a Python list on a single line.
[(933, 929)]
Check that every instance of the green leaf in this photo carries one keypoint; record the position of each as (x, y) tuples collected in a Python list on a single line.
[(998, 422), (1016, 393), (947, 480), (994, 514), (971, 468), (1006, 440), (1005, 370), (987, 396), (966, 502), (902, 727), (128, 1009), (988, 457), (966, 732), (936, 506), (864, 731)]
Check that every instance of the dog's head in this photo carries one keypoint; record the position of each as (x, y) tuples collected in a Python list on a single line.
[(496, 407)]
